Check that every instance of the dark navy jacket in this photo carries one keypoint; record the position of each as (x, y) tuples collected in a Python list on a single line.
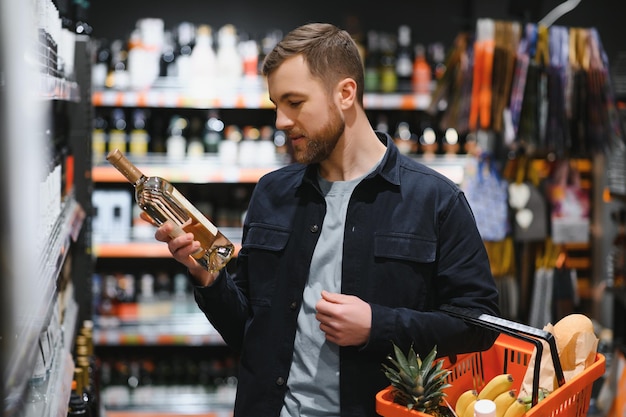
[(410, 245)]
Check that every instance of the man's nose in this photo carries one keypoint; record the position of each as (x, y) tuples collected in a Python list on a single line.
[(283, 121)]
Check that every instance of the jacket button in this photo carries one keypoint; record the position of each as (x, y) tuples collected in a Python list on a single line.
[(314, 228), (280, 380), (293, 305)]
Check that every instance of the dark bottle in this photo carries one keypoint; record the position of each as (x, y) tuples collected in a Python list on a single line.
[(387, 65), (404, 60), (77, 406), (118, 135), (372, 62), (168, 55), (213, 132), (102, 65)]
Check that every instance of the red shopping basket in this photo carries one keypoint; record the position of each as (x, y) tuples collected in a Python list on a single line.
[(511, 353)]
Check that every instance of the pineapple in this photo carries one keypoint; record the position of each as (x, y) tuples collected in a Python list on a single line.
[(418, 384)]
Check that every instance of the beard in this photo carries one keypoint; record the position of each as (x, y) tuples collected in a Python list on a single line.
[(320, 144)]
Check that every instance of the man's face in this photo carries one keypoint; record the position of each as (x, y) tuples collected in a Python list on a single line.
[(304, 111)]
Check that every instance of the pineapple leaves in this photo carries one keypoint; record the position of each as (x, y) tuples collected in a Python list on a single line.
[(417, 384)]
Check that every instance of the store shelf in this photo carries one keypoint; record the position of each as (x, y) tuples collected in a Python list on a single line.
[(152, 248), (157, 401), (207, 169), (178, 98), (64, 232), (55, 88), (57, 387), (184, 329), (135, 250)]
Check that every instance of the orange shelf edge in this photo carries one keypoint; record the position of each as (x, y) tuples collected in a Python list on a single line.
[(136, 250)]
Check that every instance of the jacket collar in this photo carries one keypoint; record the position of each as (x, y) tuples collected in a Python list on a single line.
[(388, 168)]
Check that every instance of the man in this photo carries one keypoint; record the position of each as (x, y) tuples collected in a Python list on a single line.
[(351, 248)]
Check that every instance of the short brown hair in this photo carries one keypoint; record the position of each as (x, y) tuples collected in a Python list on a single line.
[(330, 53)]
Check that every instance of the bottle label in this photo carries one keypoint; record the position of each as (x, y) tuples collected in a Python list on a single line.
[(194, 212)]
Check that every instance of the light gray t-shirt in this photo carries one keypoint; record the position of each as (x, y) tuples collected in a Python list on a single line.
[(313, 384)]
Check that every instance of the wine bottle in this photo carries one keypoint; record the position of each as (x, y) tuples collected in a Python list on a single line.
[(421, 71), (404, 60), (163, 202)]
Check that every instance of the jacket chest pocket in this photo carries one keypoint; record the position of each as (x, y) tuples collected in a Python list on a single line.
[(407, 264), (263, 247)]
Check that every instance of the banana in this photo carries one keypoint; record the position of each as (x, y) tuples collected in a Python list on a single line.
[(504, 401), (463, 401), (469, 410), (496, 386), (517, 409)]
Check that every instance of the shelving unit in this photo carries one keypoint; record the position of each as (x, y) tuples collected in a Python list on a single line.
[(45, 268)]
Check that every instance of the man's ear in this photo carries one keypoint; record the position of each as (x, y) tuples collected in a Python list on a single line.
[(346, 90)]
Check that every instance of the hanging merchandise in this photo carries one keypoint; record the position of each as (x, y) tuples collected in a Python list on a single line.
[(534, 109), (540, 302), (555, 293), (569, 204), (616, 262), (528, 204), (502, 261), (564, 292), (608, 126), (507, 37), (480, 107), (486, 192), (557, 139)]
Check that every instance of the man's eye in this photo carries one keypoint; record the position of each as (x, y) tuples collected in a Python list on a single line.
[(294, 103)]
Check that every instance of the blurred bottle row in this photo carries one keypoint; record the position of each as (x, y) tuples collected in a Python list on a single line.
[(58, 22), (210, 62), (123, 297), (137, 133), (153, 380), (185, 138)]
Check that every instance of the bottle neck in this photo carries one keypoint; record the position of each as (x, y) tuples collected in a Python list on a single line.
[(123, 165)]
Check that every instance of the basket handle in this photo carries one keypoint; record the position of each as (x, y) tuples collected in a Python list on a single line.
[(520, 331)]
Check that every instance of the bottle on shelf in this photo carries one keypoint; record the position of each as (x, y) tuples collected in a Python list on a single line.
[(195, 145), (138, 137), (213, 131), (249, 147), (422, 74), (118, 136), (163, 203), (451, 144), (229, 148), (404, 60), (372, 62), (203, 63), (99, 138), (229, 62), (428, 142), (387, 65), (176, 144), (100, 68), (437, 58), (77, 406), (118, 77), (405, 139), (185, 42), (168, 55)]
